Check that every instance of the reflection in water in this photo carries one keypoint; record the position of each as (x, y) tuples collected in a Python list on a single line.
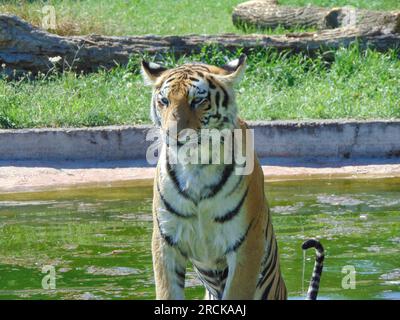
[(98, 240)]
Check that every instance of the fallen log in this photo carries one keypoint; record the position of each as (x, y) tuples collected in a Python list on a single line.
[(269, 15), (25, 48)]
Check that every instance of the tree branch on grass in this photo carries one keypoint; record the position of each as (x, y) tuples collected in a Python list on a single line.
[(25, 48), (263, 14)]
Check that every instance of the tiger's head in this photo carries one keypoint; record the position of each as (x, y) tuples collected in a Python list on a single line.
[(194, 96)]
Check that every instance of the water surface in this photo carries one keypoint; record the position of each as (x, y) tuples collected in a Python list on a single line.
[(98, 239)]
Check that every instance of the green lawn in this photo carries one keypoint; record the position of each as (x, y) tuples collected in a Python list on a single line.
[(119, 17), (361, 85)]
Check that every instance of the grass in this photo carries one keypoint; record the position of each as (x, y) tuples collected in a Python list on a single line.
[(365, 4), (356, 84), (360, 85), (136, 17)]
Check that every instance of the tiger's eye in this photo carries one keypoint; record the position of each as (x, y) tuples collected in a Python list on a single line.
[(197, 101), (164, 101)]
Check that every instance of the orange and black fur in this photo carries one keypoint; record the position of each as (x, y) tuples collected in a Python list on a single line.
[(207, 214)]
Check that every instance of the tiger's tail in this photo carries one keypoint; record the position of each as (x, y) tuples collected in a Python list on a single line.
[(319, 259)]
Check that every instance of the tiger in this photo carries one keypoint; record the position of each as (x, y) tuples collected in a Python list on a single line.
[(207, 214)]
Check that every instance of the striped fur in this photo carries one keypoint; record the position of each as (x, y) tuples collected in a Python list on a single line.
[(316, 275), (207, 214)]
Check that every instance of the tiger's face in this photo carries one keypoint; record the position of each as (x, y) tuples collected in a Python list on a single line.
[(194, 96)]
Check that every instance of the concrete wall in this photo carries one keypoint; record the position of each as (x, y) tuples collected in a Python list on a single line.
[(309, 139), (340, 139), (100, 143)]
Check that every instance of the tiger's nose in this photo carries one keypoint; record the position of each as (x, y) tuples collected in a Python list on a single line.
[(178, 123)]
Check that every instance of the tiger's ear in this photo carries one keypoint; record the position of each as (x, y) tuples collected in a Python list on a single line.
[(235, 70), (151, 71)]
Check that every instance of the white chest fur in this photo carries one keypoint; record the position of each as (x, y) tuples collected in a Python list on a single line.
[(191, 218)]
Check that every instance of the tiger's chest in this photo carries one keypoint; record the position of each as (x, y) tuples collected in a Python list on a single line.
[(193, 202)]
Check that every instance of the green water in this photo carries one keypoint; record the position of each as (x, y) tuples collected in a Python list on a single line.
[(98, 240)]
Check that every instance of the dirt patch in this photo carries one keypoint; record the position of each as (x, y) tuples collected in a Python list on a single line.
[(31, 176)]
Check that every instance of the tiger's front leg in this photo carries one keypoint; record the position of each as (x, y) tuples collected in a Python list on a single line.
[(244, 266), (169, 269)]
